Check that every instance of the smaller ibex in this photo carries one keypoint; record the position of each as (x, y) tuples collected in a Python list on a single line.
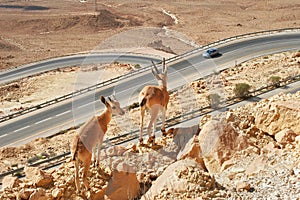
[(155, 99), (90, 135)]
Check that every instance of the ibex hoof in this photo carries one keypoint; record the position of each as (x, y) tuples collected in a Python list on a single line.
[(151, 140), (164, 133), (141, 142)]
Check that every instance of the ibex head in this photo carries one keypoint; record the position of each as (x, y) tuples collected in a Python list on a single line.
[(113, 104), (161, 77)]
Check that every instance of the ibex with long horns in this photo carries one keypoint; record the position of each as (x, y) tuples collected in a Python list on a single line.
[(90, 135), (155, 99)]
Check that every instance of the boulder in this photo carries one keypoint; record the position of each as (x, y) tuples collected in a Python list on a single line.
[(123, 184), (219, 141), (99, 194), (181, 178), (296, 55), (10, 182), (38, 177), (258, 164), (38, 194), (25, 193), (240, 186), (183, 134), (192, 150), (276, 116), (116, 150), (57, 192), (286, 136)]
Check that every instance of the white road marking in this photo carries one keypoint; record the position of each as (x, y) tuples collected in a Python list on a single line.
[(21, 128), (87, 104), (60, 114), (43, 120), (3, 135)]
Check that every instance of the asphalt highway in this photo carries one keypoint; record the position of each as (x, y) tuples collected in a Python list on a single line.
[(52, 119)]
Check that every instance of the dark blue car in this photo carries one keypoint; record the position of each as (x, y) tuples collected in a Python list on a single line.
[(210, 53)]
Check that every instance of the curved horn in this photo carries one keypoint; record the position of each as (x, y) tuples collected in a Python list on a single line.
[(165, 69), (155, 67)]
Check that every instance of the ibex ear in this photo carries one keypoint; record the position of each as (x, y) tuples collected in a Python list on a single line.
[(103, 99), (109, 99)]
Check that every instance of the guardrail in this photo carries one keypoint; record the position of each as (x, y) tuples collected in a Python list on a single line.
[(117, 140), (141, 70)]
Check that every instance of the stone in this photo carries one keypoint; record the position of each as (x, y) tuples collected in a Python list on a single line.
[(38, 194), (286, 136), (116, 150), (230, 116), (296, 55), (25, 193), (192, 150), (179, 177), (57, 192), (39, 177), (258, 164), (99, 194), (123, 184), (183, 135), (240, 186), (219, 141), (276, 116), (10, 182)]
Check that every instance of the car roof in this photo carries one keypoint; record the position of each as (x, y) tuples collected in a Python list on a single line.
[(212, 49)]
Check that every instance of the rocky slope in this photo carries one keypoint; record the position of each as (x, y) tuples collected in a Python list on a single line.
[(251, 152)]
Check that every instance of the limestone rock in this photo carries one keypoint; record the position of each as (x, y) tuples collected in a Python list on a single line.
[(39, 177), (296, 55), (285, 137), (258, 164), (243, 186), (57, 192), (276, 116), (219, 141), (123, 184), (114, 151), (10, 182), (38, 194), (192, 150), (25, 193), (181, 177), (99, 194)]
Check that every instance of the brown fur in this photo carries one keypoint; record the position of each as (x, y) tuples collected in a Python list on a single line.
[(88, 136), (154, 98)]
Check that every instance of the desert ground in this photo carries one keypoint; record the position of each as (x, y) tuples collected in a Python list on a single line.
[(35, 30), (39, 29)]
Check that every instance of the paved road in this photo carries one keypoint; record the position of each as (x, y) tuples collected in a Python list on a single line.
[(65, 114), (81, 59)]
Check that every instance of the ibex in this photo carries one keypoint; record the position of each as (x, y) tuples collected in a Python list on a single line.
[(155, 99), (91, 134)]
